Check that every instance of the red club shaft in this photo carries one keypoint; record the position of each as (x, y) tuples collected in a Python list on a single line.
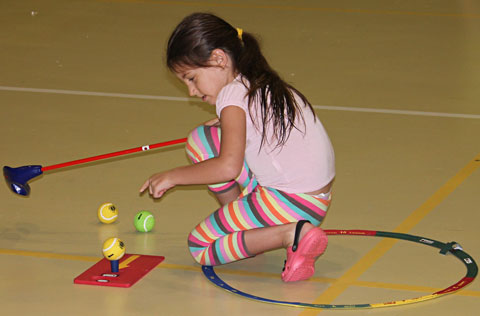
[(114, 154)]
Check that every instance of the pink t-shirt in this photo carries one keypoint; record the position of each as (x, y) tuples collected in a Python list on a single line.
[(304, 164)]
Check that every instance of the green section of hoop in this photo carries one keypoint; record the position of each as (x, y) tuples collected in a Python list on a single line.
[(451, 247)]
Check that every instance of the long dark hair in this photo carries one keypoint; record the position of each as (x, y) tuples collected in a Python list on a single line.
[(191, 45)]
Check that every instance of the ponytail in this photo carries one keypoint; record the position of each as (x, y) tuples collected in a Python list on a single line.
[(275, 96)]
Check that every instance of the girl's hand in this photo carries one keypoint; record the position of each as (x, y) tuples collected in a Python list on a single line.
[(158, 184)]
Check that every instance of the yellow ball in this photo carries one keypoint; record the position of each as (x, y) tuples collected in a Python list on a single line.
[(107, 213), (113, 248)]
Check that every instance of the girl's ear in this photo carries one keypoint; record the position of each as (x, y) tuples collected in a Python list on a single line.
[(219, 58)]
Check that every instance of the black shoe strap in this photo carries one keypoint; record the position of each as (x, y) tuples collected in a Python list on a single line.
[(298, 229)]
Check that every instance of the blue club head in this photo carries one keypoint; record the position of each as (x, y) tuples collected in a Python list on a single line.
[(17, 178)]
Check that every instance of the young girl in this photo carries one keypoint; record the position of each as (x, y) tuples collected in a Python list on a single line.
[(266, 156)]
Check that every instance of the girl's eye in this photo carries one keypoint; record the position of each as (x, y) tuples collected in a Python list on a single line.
[(191, 79)]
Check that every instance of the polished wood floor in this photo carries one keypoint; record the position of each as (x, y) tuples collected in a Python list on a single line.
[(396, 84)]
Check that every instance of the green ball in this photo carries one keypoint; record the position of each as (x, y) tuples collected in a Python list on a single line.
[(144, 221)]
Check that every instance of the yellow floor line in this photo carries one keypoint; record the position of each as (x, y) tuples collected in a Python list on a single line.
[(221, 270), (351, 276), (409, 287), (38, 254), (204, 5)]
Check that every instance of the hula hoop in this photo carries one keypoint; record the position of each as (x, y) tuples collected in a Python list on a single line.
[(452, 247)]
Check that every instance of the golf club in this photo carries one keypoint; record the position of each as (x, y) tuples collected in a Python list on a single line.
[(17, 178)]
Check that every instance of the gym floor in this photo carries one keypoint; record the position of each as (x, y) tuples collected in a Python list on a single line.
[(395, 83)]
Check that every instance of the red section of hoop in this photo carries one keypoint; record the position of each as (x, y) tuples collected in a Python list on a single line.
[(350, 232), (457, 286)]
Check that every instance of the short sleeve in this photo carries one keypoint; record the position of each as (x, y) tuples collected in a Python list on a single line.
[(235, 93)]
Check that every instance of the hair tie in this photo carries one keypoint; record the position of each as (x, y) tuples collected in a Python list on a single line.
[(240, 33)]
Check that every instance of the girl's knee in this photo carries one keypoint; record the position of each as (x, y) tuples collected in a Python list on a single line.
[(203, 143), (193, 135), (202, 132), (203, 135)]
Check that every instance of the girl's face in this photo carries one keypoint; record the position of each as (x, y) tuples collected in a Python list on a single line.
[(206, 82)]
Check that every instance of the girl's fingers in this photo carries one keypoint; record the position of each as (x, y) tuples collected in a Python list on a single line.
[(159, 194), (153, 188), (145, 185)]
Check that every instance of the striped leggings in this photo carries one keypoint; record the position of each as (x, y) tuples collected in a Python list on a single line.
[(219, 239)]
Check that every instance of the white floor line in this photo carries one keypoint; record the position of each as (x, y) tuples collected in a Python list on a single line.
[(402, 112), (167, 98), (96, 94)]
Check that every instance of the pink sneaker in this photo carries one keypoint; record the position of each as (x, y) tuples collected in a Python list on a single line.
[(301, 257)]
